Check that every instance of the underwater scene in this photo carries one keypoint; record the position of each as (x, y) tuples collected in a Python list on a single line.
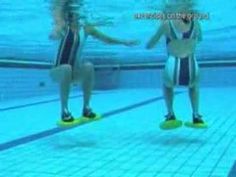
[(117, 88)]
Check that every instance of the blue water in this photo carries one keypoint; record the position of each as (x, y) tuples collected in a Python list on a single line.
[(30, 22), (127, 142)]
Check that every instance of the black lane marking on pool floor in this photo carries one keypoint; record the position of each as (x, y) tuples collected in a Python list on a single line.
[(232, 172), (41, 102), (53, 131)]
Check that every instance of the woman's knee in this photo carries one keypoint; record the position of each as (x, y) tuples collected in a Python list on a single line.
[(167, 81), (168, 84), (194, 85), (61, 73), (65, 72), (195, 82), (88, 67), (66, 69)]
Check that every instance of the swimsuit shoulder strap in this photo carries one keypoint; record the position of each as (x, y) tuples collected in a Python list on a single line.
[(172, 31), (189, 34)]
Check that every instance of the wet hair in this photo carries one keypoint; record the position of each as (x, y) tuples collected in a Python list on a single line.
[(71, 18)]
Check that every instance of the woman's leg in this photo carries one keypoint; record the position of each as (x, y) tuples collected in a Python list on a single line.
[(63, 75)]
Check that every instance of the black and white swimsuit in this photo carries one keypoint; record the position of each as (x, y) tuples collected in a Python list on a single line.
[(181, 71), (70, 47)]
